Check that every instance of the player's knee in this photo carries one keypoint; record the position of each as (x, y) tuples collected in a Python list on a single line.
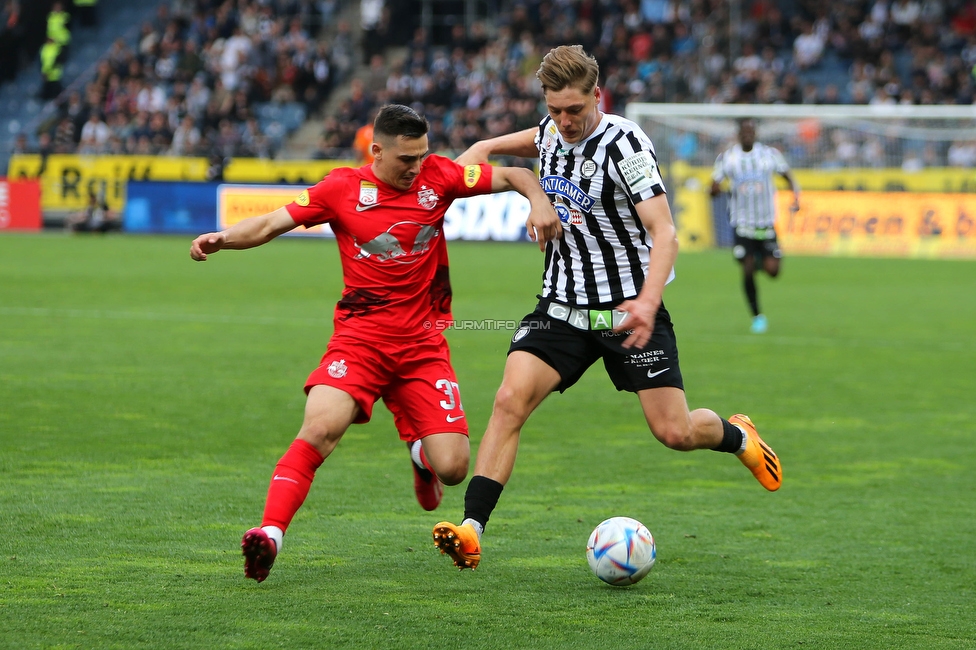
[(454, 473), (675, 436), (450, 464), (510, 404), (320, 435)]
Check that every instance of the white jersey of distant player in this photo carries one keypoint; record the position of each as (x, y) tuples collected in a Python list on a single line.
[(753, 191), (594, 185)]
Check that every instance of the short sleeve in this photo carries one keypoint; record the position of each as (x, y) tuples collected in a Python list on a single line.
[(636, 167), (779, 161), (718, 171), (312, 206), (466, 180)]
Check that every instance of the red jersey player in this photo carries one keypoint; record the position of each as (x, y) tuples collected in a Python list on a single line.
[(388, 342)]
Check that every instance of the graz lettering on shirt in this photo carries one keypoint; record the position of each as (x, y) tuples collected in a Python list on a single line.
[(565, 187)]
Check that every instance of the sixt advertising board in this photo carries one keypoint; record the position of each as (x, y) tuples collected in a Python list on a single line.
[(193, 208)]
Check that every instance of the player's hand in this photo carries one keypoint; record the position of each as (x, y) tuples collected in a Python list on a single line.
[(639, 321), (210, 242), (543, 225)]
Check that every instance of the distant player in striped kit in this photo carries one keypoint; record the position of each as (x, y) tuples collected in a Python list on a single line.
[(750, 167), (602, 294)]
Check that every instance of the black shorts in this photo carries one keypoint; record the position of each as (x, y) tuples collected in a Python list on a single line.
[(758, 248), (570, 351)]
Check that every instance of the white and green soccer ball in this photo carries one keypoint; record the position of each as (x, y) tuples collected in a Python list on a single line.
[(621, 551)]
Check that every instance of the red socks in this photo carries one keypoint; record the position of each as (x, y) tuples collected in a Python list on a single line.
[(290, 483)]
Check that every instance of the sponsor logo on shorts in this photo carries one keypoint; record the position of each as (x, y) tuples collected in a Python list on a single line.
[(651, 374), (520, 334), (454, 418)]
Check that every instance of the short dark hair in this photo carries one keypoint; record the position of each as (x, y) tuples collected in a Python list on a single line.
[(396, 119)]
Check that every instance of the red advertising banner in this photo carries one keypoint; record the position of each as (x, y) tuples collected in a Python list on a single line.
[(888, 224), (20, 205)]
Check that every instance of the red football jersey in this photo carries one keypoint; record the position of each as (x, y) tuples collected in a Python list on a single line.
[(394, 256)]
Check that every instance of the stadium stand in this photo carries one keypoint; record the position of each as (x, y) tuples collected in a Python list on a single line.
[(297, 78)]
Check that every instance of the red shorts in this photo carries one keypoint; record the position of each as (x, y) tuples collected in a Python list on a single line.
[(415, 380)]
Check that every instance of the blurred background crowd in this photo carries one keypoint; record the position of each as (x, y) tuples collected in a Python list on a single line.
[(247, 77)]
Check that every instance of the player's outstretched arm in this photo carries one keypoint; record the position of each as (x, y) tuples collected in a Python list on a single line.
[(246, 233), (520, 143), (796, 190), (543, 224), (655, 214)]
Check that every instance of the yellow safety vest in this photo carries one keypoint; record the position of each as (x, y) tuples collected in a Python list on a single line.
[(57, 27), (51, 70)]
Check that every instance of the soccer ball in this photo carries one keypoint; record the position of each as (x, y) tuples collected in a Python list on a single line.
[(621, 551)]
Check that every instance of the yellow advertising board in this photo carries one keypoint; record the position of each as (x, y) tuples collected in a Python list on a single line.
[(66, 180), (879, 224), (237, 202), (297, 172)]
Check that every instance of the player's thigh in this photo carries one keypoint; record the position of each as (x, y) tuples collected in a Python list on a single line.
[(667, 415), (563, 348), (425, 397), (328, 413), (772, 256), (357, 367), (654, 365), (527, 381)]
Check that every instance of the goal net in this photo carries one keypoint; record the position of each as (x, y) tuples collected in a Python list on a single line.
[(854, 163)]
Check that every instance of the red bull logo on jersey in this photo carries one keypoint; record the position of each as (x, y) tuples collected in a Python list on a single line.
[(427, 198), (403, 243)]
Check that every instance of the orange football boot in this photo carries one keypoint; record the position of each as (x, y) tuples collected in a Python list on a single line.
[(460, 542), (758, 456)]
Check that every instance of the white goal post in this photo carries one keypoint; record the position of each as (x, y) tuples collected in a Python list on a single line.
[(883, 156)]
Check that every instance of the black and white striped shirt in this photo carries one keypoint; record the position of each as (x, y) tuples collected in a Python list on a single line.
[(752, 205), (595, 185)]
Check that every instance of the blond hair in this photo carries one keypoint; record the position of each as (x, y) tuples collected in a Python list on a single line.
[(568, 66)]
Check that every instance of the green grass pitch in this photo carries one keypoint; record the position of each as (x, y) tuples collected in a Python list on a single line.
[(145, 398)]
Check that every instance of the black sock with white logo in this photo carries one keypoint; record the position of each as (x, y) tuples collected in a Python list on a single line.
[(731, 438), (480, 499)]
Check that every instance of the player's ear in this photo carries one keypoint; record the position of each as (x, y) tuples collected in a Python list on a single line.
[(376, 149)]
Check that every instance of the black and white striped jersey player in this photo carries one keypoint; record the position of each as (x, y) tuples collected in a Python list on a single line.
[(602, 295), (750, 167)]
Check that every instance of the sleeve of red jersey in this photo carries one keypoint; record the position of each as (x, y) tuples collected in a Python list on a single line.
[(469, 180), (316, 204)]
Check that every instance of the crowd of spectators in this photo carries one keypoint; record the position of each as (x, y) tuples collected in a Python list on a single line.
[(192, 83), (474, 84), (190, 86)]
